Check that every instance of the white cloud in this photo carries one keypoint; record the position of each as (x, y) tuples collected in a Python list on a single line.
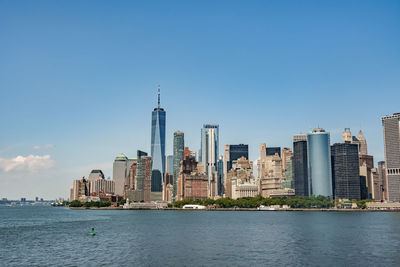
[(30, 163), (46, 146)]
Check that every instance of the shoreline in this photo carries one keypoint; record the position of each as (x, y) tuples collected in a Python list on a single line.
[(237, 209)]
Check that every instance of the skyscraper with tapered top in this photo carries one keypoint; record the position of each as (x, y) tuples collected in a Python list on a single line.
[(158, 118)]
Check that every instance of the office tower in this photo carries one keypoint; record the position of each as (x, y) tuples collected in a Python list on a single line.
[(241, 182), (96, 174), (272, 150), (158, 118), (192, 181), (319, 163), (234, 152), (286, 152), (345, 171), (143, 177), (300, 167), (289, 177), (391, 138), (209, 147), (169, 164), (79, 189), (346, 136), (270, 173), (382, 174), (220, 176), (179, 146), (377, 185), (120, 173), (98, 185), (363, 187), (363, 150)]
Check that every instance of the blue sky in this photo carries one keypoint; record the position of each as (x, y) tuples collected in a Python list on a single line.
[(78, 79)]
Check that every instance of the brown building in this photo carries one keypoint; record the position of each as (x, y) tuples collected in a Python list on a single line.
[(192, 181), (186, 153), (369, 160)]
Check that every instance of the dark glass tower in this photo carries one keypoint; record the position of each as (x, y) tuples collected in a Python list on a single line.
[(236, 152), (300, 168), (272, 150), (345, 171), (157, 147)]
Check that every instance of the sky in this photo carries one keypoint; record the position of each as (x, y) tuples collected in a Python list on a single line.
[(78, 79)]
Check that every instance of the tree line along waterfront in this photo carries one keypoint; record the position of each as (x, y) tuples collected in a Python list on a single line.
[(309, 202)]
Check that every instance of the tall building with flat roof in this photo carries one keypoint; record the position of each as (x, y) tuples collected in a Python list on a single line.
[(391, 138), (345, 171), (209, 148), (158, 118), (120, 173), (319, 163), (179, 146), (300, 167)]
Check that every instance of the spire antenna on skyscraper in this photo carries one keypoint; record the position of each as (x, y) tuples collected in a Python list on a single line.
[(158, 96)]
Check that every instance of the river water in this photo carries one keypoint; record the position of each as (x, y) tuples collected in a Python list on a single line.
[(58, 236)]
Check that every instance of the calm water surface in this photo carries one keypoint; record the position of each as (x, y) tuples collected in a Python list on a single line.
[(58, 236)]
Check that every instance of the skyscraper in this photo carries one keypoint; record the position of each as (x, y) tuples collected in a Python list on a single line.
[(169, 165), (363, 150), (391, 138), (120, 173), (272, 150), (319, 163), (235, 152), (179, 146), (220, 176), (345, 171), (209, 148), (158, 118), (300, 167)]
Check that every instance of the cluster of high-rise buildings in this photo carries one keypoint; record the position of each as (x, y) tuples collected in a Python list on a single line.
[(313, 166)]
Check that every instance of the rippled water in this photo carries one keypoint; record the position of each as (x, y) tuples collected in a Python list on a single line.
[(57, 236)]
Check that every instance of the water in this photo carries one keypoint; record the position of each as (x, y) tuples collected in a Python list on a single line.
[(58, 236)]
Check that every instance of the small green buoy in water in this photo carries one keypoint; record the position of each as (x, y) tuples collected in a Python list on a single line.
[(92, 233)]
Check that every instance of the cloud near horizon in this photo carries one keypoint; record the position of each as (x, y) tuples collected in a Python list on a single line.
[(46, 146), (30, 163)]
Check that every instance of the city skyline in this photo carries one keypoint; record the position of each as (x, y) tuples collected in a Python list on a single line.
[(64, 116)]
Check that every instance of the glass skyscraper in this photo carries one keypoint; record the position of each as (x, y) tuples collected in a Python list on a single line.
[(209, 148), (319, 163), (345, 171), (158, 117), (179, 146), (300, 167)]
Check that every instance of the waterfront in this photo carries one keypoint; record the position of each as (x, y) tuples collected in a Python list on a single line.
[(60, 236)]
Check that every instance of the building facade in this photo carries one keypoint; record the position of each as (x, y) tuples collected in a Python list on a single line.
[(120, 173), (391, 139), (319, 163), (179, 146), (158, 121), (300, 168), (209, 148), (192, 181), (345, 171)]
